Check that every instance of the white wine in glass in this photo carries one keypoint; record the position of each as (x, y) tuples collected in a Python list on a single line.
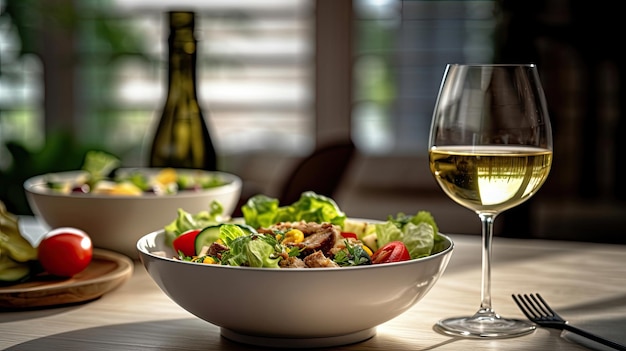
[(490, 149)]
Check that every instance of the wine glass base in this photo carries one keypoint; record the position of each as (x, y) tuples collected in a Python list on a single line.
[(484, 327)]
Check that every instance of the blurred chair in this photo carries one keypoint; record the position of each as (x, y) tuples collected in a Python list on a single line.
[(321, 171)]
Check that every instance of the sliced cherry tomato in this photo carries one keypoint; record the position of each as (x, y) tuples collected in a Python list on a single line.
[(348, 235), (185, 242), (65, 251), (394, 251)]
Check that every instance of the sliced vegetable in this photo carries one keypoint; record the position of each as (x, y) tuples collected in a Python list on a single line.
[(186, 242), (370, 241), (359, 227), (348, 235), (367, 250), (394, 251)]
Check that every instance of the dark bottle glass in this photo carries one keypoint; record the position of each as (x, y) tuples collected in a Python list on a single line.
[(182, 138)]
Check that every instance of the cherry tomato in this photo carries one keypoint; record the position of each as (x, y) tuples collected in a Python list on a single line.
[(394, 251), (186, 242), (348, 235), (65, 251)]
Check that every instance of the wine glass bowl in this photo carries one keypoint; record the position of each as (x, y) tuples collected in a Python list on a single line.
[(490, 149), (502, 176)]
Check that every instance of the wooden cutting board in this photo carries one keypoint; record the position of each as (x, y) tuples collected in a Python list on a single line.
[(106, 272)]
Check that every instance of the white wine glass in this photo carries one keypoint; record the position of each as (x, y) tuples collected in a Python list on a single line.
[(490, 149)]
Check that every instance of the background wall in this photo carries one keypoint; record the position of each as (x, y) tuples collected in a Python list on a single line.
[(361, 70)]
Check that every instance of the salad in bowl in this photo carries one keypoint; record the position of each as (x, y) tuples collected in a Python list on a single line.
[(299, 275), (310, 233), (117, 205)]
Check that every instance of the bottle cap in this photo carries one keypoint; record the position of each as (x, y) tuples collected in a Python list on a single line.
[(182, 25), (181, 19)]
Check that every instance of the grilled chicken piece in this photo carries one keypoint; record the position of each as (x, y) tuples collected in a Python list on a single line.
[(291, 262), (317, 236), (321, 241), (318, 260)]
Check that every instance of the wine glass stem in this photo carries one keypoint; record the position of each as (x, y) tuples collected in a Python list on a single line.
[(487, 220)]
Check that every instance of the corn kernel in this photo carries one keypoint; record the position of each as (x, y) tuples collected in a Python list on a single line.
[(294, 236)]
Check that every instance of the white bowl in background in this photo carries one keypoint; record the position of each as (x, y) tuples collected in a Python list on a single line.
[(117, 222)]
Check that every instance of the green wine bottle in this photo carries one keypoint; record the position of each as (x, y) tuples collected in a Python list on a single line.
[(182, 138)]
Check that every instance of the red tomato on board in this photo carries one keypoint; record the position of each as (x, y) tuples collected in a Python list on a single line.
[(65, 251), (186, 242), (394, 251)]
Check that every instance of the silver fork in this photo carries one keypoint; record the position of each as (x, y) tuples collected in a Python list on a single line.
[(539, 312)]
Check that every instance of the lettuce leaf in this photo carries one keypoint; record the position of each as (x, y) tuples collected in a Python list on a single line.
[(419, 239), (419, 233), (230, 232), (262, 211), (255, 250), (187, 221), (99, 164)]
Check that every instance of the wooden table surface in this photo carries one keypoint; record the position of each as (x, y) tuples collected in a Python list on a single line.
[(585, 283)]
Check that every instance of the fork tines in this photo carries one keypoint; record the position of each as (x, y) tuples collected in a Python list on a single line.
[(533, 306), (538, 311)]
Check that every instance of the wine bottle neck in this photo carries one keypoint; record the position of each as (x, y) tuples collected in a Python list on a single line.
[(182, 67), (182, 46), (182, 138)]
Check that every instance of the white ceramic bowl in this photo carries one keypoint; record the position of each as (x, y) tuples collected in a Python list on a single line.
[(117, 222), (292, 307)]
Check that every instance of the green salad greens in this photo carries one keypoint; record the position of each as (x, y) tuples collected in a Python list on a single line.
[(186, 221), (253, 250), (98, 164), (419, 232), (263, 211)]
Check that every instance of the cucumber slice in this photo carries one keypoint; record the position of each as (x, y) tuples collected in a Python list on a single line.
[(206, 237), (210, 234)]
